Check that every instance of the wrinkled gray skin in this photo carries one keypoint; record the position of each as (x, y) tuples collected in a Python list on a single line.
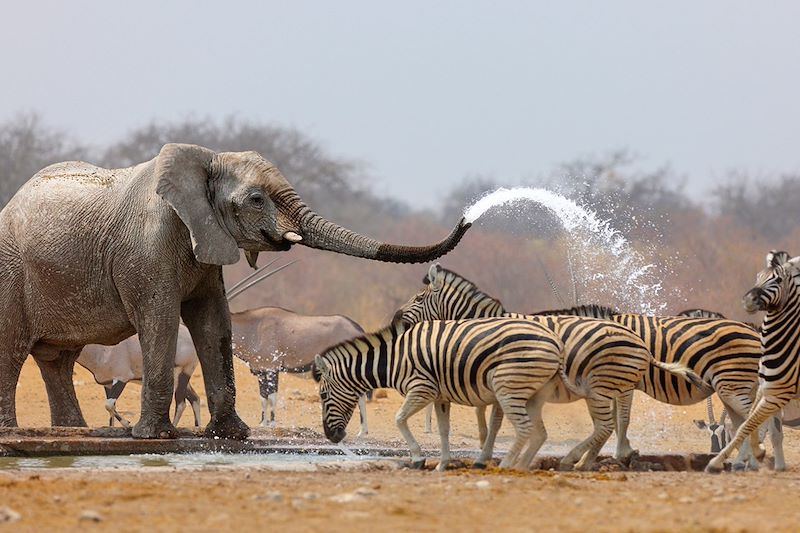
[(272, 340), (115, 366), (92, 256)]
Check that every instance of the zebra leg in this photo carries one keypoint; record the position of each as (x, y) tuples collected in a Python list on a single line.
[(766, 407), (582, 456), (362, 413), (517, 413), (775, 428), (539, 434), (416, 400), (480, 414), (428, 416), (112, 395), (737, 411), (621, 412), (491, 435), (443, 421)]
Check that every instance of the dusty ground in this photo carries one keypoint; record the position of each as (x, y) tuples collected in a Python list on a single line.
[(364, 496)]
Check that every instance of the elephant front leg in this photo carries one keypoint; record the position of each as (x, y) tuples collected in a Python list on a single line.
[(158, 333), (65, 410), (208, 320)]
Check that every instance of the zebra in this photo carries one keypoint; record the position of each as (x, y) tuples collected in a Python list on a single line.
[(777, 292), (470, 362), (602, 360), (721, 432), (724, 353)]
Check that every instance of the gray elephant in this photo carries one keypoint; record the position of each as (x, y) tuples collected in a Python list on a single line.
[(92, 256)]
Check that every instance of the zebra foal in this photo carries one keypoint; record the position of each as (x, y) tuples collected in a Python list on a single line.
[(470, 362)]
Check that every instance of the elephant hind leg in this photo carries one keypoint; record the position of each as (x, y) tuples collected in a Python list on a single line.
[(57, 375), (8, 387)]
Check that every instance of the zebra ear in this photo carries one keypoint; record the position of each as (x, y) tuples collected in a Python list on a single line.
[(431, 275), (795, 262), (321, 366), (776, 259), (436, 276)]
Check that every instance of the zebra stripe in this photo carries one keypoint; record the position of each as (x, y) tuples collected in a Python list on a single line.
[(474, 362), (602, 361), (776, 291)]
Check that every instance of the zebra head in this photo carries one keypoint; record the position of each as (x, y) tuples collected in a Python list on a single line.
[(772, 284), (425, 304), (338, 399), (447, 296)]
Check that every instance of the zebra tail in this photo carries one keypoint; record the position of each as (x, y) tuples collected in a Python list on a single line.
[(562, 371), (685, 372)]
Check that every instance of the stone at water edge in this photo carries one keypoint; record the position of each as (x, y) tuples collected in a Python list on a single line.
[(90, 516)]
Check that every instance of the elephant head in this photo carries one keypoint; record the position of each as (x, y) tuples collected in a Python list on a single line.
[(237, 200)]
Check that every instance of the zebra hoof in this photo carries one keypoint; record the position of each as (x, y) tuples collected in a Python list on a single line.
[(418, 465), (713, 469)]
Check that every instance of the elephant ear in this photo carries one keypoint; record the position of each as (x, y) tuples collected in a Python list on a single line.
[(183, 172)]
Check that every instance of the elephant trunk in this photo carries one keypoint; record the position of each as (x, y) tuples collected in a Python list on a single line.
[(317, 232)]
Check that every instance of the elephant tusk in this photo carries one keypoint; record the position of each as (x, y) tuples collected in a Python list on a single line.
[(292, 236)]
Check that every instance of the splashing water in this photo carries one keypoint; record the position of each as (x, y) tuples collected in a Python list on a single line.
[(605, 263)]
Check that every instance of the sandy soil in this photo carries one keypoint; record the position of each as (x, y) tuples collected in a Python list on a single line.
[(364, 496)]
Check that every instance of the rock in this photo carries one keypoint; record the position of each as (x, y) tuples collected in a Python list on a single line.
[(310, 495), (90, 516), (483, 484), (366, 492), (663, 496), (8, 515)]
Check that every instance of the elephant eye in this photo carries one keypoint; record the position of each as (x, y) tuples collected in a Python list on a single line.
[(256, 200)]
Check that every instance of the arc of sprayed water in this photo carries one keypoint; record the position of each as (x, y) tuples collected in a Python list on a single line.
[(629, 276)]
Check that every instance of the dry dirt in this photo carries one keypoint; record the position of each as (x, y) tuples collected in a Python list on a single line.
[(379, 497)]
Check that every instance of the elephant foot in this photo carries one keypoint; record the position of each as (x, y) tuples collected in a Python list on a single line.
[(154, 429), (69, 420), (228, 427)]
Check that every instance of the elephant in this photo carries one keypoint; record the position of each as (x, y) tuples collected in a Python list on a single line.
[(92, 255)]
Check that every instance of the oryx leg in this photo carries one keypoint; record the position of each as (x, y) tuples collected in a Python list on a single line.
[(362, 413), (416, 400), (181, 384), (268, 390), (483, 430), (428, 416), (194, 401), (112, 395)]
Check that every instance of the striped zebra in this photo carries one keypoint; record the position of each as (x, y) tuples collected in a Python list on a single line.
[(470, 362), (724, 353), (602, 361), (776, 291)]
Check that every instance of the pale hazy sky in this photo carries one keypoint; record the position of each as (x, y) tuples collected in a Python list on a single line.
[(428, 92)]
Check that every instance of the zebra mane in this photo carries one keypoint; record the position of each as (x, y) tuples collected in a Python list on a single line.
[(393, 329), (470, 289), (588, 310)]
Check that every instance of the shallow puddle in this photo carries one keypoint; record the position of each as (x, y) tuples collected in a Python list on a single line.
[(176, 460)]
